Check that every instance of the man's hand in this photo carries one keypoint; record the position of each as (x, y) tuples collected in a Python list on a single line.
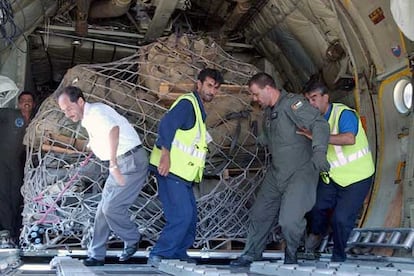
[(320, 161), (164, 166), (116, 173), (305, 132)]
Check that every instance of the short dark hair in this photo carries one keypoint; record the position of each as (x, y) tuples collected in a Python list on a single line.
[(73, 92), (262, 79), (25, 93), (212, 73), (316, 86)]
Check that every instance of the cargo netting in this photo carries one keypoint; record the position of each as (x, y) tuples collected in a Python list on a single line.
[(63, 182)]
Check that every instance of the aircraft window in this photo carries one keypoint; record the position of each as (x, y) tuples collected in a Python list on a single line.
[(408, 95), (403, 95)]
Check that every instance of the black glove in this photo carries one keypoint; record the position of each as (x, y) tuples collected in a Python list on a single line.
[(320, 162)]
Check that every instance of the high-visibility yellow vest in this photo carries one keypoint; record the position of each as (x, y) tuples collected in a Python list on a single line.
[(189, 147), (349, 163)]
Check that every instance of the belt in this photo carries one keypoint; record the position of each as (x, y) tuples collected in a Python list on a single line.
[(131, 151)]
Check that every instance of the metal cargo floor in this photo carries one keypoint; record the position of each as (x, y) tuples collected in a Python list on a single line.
[(354, 266)]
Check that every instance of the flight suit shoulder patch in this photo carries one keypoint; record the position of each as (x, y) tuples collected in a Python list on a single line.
[(297, 104), (19, 122)]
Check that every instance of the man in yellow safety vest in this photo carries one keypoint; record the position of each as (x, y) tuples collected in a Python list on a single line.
[(178, 159), (345, 187)]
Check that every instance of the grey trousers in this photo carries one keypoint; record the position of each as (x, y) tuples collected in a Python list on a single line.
[(284, 203), (112, 213)]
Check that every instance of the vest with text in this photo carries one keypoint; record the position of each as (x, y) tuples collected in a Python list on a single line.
[(189, 147), (349, 163)]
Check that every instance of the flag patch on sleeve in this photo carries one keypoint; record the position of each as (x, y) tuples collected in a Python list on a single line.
[(298, 104)]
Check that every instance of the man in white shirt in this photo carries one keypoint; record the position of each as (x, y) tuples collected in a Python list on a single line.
[(112, 139)]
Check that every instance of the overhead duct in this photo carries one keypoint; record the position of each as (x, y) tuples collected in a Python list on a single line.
[(98, 9), (109, 8), (293, 51), (241, 9), (81, 26), (256, 7), (159, 21)]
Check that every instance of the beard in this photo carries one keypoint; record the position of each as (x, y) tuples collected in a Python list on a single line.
[(208, 97)]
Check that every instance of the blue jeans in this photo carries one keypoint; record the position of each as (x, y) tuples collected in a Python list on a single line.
[(180, 212), (346, 203)]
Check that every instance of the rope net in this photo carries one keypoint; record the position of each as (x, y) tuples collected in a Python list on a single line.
[(63, 182)]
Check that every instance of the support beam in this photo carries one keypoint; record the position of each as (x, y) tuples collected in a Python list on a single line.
[(160, 20)]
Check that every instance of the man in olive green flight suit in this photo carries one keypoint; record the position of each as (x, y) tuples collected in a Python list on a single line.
[(13, 123), (288, 191)]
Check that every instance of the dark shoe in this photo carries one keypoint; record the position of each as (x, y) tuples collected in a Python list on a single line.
[(154, 261), (312, 242), (290, 257), (242, 261), (93, 262), (308, 255), (128, 252), (6, 241), (338, 259), (333, 260), (188, 260)]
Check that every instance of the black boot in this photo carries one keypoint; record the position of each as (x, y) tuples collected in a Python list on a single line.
[(93, 262), (242, 261), (290, 257), (312, 242)]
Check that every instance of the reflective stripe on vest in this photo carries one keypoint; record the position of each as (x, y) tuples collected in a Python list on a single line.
[(189, 147), (343, 160), (193, 151), (349, 163)]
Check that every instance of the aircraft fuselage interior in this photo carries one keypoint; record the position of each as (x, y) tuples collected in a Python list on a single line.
[(140, 56)]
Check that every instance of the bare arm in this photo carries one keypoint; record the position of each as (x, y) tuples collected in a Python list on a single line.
[(341, 139), (164, 166), (334, 139), (113, 147)]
